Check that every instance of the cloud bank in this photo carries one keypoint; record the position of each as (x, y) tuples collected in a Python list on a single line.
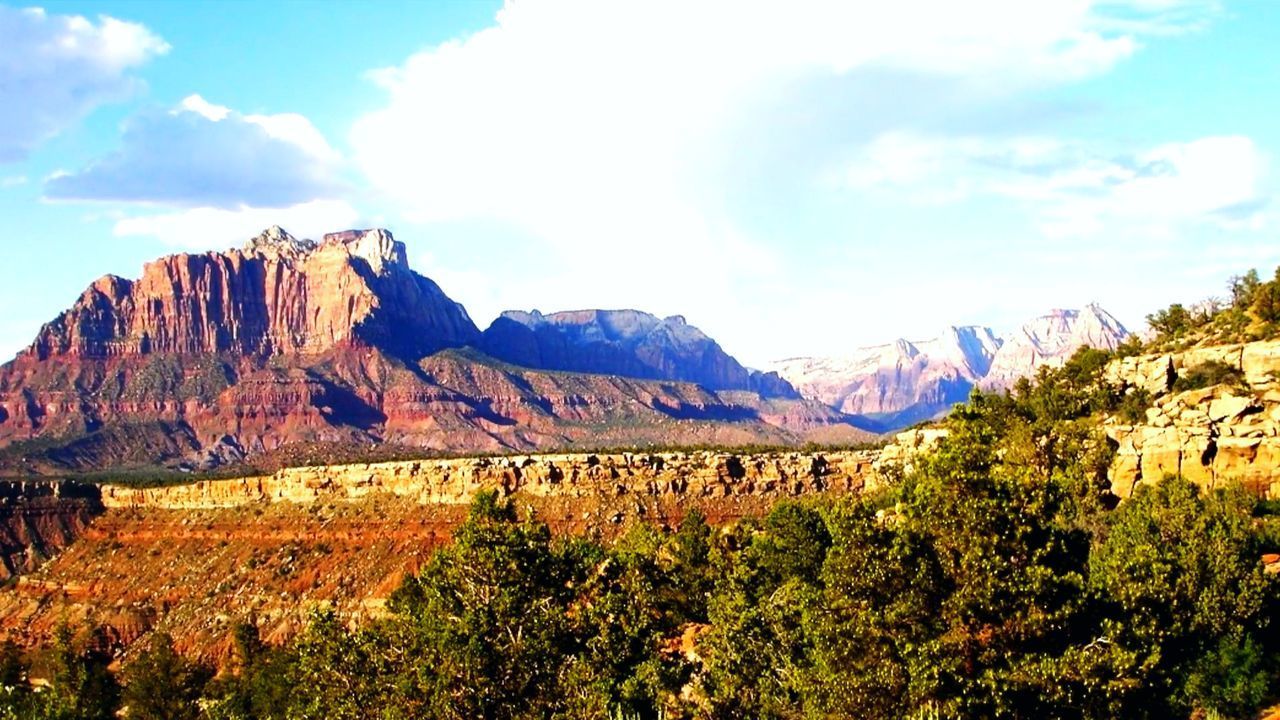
[(204, 155), (55, 69)]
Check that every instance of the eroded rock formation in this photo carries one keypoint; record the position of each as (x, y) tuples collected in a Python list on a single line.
[(1212, 436)]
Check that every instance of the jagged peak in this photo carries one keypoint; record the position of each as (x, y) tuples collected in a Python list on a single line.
[(376, 246), (278, 239)]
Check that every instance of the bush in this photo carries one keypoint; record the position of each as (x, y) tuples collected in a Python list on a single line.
[(1208, 374)]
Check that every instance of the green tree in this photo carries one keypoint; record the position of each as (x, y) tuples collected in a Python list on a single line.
[(80, 685), (488, 621), (1187, 600), (162, 685)]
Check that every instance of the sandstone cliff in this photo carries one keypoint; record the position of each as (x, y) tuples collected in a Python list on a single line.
[(275, 296), (1212, 436)]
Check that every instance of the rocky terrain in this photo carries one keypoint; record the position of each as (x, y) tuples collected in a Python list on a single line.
[(904, 382), (40, 518), (1225, 432), (211, 359), (195, 558)]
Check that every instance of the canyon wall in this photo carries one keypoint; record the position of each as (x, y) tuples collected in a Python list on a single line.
[(574, 476), (40, 518)]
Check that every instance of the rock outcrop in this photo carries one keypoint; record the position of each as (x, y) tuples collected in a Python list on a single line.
[(629, 343), (456, 481), (1211, 436), (39, 518)]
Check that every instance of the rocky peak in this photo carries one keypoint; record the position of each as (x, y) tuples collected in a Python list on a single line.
[(277, 239), (375, 246), (277, 295)]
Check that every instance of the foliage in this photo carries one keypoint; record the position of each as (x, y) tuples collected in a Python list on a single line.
[(163, 685), (1208, 374)]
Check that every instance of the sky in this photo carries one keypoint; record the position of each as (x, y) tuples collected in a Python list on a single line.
[(795, 178)]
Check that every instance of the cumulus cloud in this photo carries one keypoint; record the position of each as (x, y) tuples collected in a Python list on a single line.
[(54, 69), (574, 105), (207, 227), (649, 138), (204, 155), (1075, 189)]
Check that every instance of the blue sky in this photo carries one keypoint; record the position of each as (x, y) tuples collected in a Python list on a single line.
[(795, 178)]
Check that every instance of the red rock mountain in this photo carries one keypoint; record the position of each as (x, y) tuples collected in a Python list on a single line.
[(210, 358)]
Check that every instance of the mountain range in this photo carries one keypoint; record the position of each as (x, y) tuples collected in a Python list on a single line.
[(211, 358), (904, 382), (214, 358)]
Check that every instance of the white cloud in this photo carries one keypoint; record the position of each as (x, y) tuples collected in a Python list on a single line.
[(206, 227), (13, 181), (201, 154), (1074, 189), (54, 69)]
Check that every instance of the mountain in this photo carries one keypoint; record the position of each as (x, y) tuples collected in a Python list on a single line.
[(895, 385), (899, 383), (1050, 340), (623, 342), (286, 344)]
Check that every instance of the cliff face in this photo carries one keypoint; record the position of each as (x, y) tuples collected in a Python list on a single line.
[(276, 296), (38, 519), (624, 342), (1212, 436)]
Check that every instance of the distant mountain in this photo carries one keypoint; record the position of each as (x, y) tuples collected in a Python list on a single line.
[(211, 358), (623, 342), (899, 383), (1051, 339), (895, 385)]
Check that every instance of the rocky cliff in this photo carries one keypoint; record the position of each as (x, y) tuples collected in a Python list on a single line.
[(624, 342), (40, 518), (276, 296), (1226, 432)]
